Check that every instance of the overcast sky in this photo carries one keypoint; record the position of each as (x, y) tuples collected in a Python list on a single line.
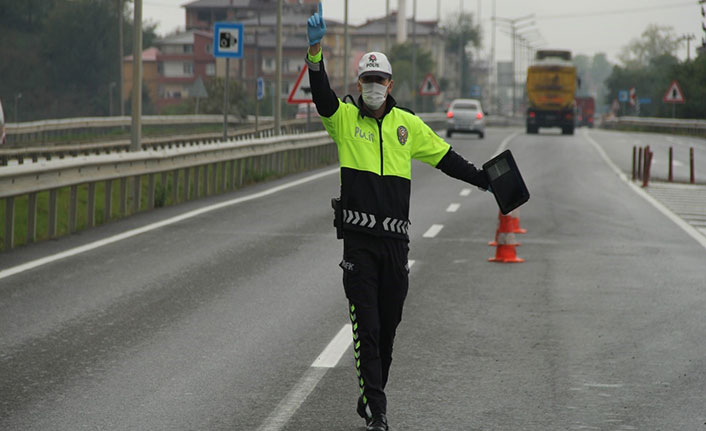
[(584, 27)]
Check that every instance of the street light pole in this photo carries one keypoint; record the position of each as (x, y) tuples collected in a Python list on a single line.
[(514, 26), (121, 54), (136, 135), (18, 96), (345, 47), (278, 71), (414, 55)]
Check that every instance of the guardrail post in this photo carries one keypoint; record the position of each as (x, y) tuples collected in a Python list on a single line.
[(32, 218), (123, 196), (163, 186), (175, 186), (150, 192), (187, 171), (9, 223), (692, 177), (197, 182), (52, 212), (214, 179), (91, 210), (639, 164), (108, 200), (136, 193), (241, 169), (224, 177), (73, 208), (634, 162)]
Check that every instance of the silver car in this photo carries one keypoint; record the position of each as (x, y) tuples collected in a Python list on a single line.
[(465, 116)]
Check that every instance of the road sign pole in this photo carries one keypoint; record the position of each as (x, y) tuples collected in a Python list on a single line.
[(225, 101), (308, 117)]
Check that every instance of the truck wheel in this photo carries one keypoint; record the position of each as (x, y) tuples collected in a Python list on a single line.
[(449, 133)]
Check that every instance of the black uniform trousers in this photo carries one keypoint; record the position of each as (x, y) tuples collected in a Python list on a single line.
[(375, 279)]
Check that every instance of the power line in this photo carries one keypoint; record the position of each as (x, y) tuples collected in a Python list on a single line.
[(615, 11)]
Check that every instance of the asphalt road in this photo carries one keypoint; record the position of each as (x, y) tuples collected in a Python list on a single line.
[(213, 322)]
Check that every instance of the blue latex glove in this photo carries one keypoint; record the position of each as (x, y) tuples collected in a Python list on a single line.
[(316, 27)]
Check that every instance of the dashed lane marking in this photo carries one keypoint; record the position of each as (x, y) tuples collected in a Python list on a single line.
[(465, 192), (433, 231), (452, 208)]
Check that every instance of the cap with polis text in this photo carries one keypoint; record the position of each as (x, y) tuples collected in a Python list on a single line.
[(374, 63)]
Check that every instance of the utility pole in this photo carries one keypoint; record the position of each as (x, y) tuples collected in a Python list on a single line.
[(414, 55), (688, 38), (136, 135), (278, 71), (460, 48), (121, 54), (345, 48), (514, 25), (491, 66), (387, 26)]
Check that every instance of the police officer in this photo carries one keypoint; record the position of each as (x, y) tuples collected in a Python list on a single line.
[(376, 143)]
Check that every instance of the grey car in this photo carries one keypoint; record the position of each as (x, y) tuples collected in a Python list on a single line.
[(465, 116)]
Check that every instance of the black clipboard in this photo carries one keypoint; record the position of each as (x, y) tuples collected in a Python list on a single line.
[(506, 182)]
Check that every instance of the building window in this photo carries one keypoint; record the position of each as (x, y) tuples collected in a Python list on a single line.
[(209, 48), (210, 69), (160, 68), (188, 49), (188, 69), (268, 65), (204, 16), (220, 15)]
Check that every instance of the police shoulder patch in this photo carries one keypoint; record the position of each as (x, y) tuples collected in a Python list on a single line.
[(402, 134)]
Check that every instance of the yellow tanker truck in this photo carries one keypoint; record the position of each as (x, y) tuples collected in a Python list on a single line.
[(551, 90)]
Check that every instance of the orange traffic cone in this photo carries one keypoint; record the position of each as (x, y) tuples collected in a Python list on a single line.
[(505, 225), (515, 222), (505, 251)]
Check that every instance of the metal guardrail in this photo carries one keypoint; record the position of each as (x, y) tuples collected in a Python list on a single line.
[(130, 182), (41, 131), (35, 153), (653, 124), (137, 181)]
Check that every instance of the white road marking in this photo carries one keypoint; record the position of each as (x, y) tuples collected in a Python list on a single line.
[(433, 231), (453, 208), (686, 227), (134, 232), (465, 192), (335, 349), (294, 399), (505, 143)]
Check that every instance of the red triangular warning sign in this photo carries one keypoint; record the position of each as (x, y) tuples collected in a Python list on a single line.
[(673, 94), (301, 92), (429, 86)]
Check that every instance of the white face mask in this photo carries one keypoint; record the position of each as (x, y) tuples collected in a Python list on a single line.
[(374, 94)]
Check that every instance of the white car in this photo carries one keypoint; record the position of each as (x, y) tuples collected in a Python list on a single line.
[(2, 125), (465, 116)]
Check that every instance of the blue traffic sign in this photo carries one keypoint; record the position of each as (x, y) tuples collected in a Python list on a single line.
[(228, 39), (260, 88), (622, 96), (475, 91)]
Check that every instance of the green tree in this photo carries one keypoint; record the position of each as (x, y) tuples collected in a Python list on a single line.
[(655, 41), (401, 60), (461, 33)]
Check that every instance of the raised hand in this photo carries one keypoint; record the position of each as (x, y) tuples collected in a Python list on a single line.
[(316, 27)]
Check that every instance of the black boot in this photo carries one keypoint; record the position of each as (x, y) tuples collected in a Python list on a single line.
[(364, 411), (378, 423)]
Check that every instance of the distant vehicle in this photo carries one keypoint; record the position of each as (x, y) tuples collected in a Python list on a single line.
[(2, 125), (551, 89), (585, 110), (465, 116), (301, 111)]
